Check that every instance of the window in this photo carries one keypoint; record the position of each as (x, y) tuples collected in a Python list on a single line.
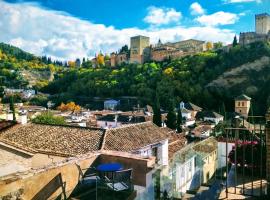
[(239, 110), (243, 103), (239, 104), (190, 166)]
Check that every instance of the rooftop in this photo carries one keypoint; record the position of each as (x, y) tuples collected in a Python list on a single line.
[(57, 140), (207, 146), (69, 141), (243, 97), (191, 106), (176, 142), (209, 114), (133, 137)]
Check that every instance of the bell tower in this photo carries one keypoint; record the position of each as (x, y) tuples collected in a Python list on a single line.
[(242, 105)]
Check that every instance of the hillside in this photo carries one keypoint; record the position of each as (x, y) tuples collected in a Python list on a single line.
[(19, 69), (195, 78)]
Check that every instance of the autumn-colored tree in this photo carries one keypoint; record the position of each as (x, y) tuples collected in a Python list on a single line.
[(209, 45), (71, 106), (100, 59), (71, 63)]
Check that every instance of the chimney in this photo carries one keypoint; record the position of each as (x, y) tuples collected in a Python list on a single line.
[(22, 119)]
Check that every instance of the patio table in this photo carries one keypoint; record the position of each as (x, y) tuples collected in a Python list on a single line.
[(109, 167)]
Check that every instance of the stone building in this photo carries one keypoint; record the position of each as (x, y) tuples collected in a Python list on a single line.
[(242, 105), (176, 50), (190, 45), (262, 24), (139, 49), (117, 59)]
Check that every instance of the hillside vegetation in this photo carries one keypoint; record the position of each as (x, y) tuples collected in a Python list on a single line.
[(19, 69), (192, 78)]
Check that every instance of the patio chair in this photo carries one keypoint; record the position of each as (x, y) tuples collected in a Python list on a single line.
[(120, 181), (87, 175)]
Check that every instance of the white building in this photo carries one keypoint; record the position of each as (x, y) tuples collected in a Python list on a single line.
[(111, 104), (213, 117)]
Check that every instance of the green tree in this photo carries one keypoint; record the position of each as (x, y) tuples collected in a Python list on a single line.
[(157, 113), (171, 117), (49, 118), (179, 121), (235, 41), (12, 107)]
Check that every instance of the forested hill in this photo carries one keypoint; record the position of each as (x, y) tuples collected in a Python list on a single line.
[(19, 69), (171, 81)]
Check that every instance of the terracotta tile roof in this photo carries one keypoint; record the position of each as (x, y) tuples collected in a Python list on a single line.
[(206, 146), (6, 124), (176, 143), (201, 129), (133, 137), (55, 140), (191, 106)]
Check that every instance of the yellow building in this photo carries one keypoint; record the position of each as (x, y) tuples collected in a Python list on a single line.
[(242, 105), (139, 49)]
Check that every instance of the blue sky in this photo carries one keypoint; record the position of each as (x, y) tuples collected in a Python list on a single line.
[(66, 29)]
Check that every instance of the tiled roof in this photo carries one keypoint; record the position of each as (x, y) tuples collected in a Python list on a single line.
[(176, 143), (201, 129), (191, 106), (56, 140), (209, 114), (6, 124), (184, 110), (207, 146), (243, 97), (133, 137)]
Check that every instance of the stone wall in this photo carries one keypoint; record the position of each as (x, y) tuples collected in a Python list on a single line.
[(44, 183), (48, 182), (12, 161)]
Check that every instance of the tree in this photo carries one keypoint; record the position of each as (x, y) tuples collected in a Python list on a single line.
[(124, 49), (209, 45), (218, 45), (49, 118), (179, 121), (71, 106), (12, 107), (71, 64), (100, 60), (235, 41), (171, 117), (157, 113)]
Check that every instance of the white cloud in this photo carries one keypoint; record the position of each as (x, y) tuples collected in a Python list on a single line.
[(241, 1), (56, 34), (218, 18), (196, 9), (162, 16)]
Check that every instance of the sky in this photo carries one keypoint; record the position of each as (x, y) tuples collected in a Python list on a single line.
[(70, 29)]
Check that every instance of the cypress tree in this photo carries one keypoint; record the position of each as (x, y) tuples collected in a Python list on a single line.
[(157, 113), (12, 107), (235, 41), (171, 117), (179, 121)]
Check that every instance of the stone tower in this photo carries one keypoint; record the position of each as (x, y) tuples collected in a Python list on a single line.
[(242, 105), (138, 46), (262, 23)]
